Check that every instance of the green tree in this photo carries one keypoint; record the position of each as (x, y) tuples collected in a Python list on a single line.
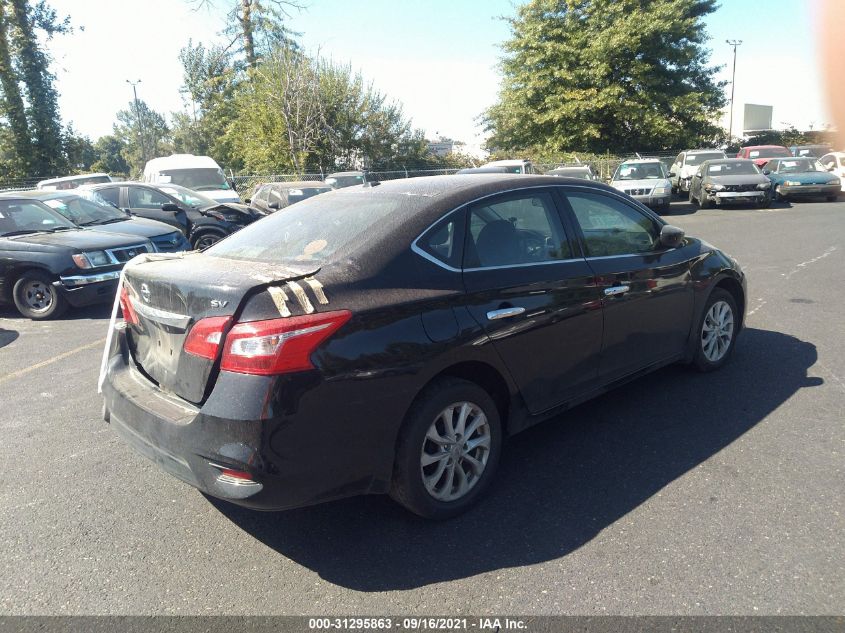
[(607, 75), (110, 151), (79, 152), (28, 100), (145, 135)]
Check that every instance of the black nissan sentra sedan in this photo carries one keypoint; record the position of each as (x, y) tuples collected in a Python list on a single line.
[(386, 339)]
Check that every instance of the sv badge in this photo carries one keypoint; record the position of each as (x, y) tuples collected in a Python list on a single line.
[(217, 303)]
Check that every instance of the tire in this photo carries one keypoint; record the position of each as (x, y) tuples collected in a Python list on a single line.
[(704, 203), (711, 356), (205, 239), (776, 195), (439, 497), (37, 298), (832, 198), (765, 203), (691, 197)]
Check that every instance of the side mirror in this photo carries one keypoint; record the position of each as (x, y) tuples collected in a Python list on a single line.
[(274, 205), (232, 185), (248, 200), (169, 206), (766, 172), (831, 167), (672, 174), (671, 236)]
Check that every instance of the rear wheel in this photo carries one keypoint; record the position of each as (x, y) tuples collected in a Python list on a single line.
[(448, 449), (717, 331), (36, 297)]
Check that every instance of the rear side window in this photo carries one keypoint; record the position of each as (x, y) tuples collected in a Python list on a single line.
[(518, 229), (110, 195), (611, 227), (445, 240)]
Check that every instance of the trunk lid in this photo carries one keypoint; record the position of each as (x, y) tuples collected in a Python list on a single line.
[(170, 296)]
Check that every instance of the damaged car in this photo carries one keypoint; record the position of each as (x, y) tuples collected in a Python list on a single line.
[(201, 219), (387, 339), (729, 181)]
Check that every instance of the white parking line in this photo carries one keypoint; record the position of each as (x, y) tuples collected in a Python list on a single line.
[(807, 263)]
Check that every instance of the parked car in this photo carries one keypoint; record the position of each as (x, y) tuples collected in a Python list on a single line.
[(342, 179), (387, 339), (761, 154), (489, 169), (835, 164), (813, 151), (72, 182), (88, 210), (729, 181), (201, 219), (47, 263), (801, 178), (646, 181), (198, 173), (686, 164), (574, 171), (517, 166), (278, 195)]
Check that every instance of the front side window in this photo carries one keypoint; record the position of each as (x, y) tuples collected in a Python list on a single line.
[(141, 198), (611, 227), (518, 229)]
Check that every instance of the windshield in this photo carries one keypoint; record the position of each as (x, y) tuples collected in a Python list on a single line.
[(339, 182), (739, 168), (769, 152), (199, 179), (639, 171), (191, 198), (314, 229), (697, 159), (799, 165), (85, 212), (19, 216), (813, 150)]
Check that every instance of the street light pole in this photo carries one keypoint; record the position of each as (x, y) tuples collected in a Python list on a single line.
[(141, 133), (733, 43)]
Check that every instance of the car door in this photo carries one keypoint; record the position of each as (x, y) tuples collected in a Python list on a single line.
[(533, 295), (646, 290), (147, 202)]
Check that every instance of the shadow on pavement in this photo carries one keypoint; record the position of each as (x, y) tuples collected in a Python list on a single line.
[(7, 336), (559, 484), (97, 311)]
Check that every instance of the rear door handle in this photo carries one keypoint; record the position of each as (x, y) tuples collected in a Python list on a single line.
[(616, 290), (504, 313)]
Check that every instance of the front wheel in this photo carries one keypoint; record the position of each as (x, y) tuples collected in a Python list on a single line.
[(204, 240), (717, 331), (764, 203), (448, 449), (37, 298), (832, 198)]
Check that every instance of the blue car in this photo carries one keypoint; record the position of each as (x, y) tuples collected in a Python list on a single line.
[(801, 177)]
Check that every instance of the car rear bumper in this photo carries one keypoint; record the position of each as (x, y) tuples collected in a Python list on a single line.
[(809, 190), (302, 456)]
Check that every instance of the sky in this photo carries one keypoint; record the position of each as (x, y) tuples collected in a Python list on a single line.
[(437, 57)]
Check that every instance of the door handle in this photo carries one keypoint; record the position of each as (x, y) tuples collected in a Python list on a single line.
[(616, 290), (504, 313)]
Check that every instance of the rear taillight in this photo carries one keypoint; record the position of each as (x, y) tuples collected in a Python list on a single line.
[(126, 308), (204, 338), (278, 346)]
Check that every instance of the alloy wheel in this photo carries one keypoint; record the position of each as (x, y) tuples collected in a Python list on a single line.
[(455, 451), (717, 331), (37, 295)]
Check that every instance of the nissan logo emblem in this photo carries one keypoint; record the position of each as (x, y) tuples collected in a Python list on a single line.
[(145, 292)]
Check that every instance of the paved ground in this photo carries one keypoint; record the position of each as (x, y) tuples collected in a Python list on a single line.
[(678, 494)]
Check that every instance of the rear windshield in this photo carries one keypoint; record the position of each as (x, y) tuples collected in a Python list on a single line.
[(314, 229), (732, 169), (769, 152), (697, 159)]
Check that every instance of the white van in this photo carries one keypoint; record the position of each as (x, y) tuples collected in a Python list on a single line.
[(72, 182), (200, 173)]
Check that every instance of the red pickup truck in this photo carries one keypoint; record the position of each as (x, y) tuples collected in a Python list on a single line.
[(761, 154)]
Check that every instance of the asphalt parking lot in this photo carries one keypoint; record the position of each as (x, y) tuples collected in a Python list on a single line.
[(677, 494)]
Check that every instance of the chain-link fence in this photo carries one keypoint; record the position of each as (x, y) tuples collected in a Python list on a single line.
[(22, 184)]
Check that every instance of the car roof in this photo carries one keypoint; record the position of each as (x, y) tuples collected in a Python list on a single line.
[(297, 184), (181, 161), (731, 160), (511, 162), (762, 147), (702, 151), (98, 174), (641, 160), (48, 195)]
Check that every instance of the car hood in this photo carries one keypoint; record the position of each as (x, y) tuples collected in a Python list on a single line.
[(82, 239), (807, 177), (248, 212), (738, 179), (222, 195), (648, 183), (141, 227)]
